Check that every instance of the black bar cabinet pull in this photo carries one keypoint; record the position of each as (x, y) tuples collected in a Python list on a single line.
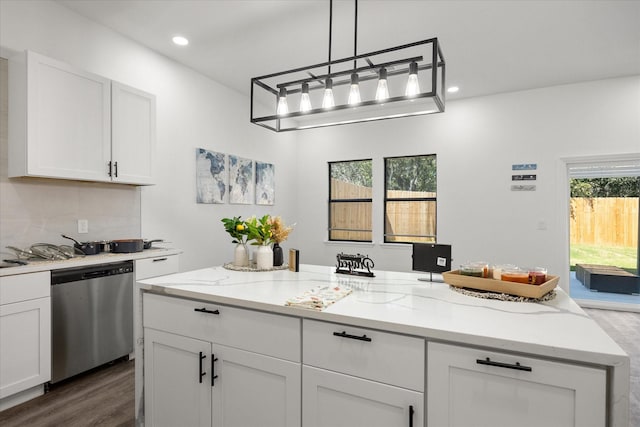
[(204, 310), (202, 374), (115, 167), (160, 259), (344, 334), (517, 366), (214, 359), (411, 412), (110, 168)]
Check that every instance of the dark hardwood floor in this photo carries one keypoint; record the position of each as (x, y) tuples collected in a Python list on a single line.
[(105, 396), (102, 397)]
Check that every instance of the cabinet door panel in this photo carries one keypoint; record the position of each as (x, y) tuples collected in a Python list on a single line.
[(387, 357), (154, 267), (255, 331), (133, 134), (69, 117), (174, 395), (253, 390), (330, 399), (23, 287), (463, 392), (25, 345)]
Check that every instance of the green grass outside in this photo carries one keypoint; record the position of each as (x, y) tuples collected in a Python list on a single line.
[(623, 257)]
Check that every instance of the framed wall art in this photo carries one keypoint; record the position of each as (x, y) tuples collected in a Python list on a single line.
[(265, 183), (211, 176), (241, 182)]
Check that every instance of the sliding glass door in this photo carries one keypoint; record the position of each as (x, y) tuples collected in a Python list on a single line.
[(604, 234)]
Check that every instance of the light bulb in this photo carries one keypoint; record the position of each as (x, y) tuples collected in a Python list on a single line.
[(283, 108), (413, 88), (180, 41), (328, 101), (354, 91), (382, 92), (305, 101)]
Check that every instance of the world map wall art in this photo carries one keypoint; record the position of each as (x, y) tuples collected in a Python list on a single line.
[(224, 177), (211, 176), (265, 183), (241, 183)]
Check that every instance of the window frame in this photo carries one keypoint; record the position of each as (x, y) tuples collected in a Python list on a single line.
[(356, 200), (408, 199)]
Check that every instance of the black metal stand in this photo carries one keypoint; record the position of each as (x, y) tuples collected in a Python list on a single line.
[(430, 279)]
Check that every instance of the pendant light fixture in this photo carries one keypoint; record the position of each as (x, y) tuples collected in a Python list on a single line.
[(354, 89), (328, 101), (382, 91), (401, 81), (305, 101), (283, 108), (413, 87)]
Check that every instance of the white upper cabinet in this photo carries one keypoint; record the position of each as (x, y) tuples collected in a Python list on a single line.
[(133, 134), (59, 120), (70, 124)]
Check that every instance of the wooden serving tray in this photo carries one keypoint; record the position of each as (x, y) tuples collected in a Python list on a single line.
[(454, 278)]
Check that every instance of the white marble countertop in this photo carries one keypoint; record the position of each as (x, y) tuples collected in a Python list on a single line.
[(398, 302), (105, 257)]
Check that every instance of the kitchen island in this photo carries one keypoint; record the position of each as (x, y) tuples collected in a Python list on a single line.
[(395, 347)]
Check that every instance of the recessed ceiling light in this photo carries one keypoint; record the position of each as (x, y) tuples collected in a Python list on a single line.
[(180, 41), (453, 89)]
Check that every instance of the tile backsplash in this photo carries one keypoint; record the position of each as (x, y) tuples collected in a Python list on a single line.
[(35, 210)]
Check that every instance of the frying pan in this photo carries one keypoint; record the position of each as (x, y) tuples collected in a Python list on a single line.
[(127, 245), (149, 243), (88, 248)]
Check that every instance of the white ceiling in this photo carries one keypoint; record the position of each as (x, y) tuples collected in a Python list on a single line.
[(489, 46)]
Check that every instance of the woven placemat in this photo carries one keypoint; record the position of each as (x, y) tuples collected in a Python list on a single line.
[(230, 266), (502, 297)]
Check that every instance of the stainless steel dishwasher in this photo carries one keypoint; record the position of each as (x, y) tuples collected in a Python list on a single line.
[(92, 317)]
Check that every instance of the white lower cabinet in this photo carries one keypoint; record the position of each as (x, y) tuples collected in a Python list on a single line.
[(331, 399), (25, 333), (175, 394), (361, 377), (473, 387), (157, 266), (209, 364), (195, 374), (252, 389)]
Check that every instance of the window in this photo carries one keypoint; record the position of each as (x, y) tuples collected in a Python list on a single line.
[(410, 199), (350, 195)]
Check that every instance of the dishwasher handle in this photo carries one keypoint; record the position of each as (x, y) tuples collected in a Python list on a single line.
[(76, 274), (94, 274)]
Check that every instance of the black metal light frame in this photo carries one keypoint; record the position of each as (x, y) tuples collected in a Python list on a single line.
[(427, 54)]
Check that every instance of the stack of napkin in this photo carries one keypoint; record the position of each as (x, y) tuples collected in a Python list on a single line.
[(318, 298)]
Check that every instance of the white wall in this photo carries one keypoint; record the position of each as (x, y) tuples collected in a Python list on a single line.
[(476, 142), (192, 111)]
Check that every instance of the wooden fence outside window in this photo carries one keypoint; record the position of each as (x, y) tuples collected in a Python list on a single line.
[(611, 221)]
